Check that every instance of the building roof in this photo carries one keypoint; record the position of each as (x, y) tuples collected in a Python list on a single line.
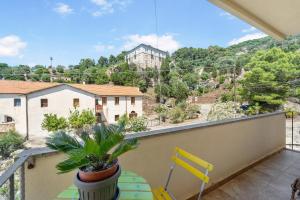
[(109, 90), (27, 87), (23, 87), (147, 46), (275, 17)]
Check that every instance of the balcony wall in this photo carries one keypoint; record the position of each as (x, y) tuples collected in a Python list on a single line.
[(230, 145)]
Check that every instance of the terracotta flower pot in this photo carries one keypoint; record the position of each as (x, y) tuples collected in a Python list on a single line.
[(98, 175)]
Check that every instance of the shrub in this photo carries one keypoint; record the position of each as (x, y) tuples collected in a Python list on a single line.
[(161, 108), (10, 142), (221, 79), (221, 111), (123, 120), (182, 105), (171, 102), (138, 124), (202, 90), (226, 97), (204, 76), (84, 119), (162, 111), (176, 115), (192, 111), (53, 123), (290, 112), (253, 110)]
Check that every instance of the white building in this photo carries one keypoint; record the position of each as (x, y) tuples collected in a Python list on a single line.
[(146, 56), (25, 103)]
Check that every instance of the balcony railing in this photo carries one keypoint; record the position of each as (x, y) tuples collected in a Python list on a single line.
[(231, 145), (292, 131), (10, 175)]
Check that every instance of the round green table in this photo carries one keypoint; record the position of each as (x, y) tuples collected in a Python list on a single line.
[(132, 187)]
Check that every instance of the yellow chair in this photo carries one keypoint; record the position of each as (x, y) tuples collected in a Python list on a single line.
[(162, 193)]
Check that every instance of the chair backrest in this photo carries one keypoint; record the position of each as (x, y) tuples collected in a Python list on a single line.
[(196, 172), (180, 153)]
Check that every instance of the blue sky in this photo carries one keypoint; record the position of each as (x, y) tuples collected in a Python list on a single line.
[(68, 30)]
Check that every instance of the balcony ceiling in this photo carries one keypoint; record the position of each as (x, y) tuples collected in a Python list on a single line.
[(277, 18)]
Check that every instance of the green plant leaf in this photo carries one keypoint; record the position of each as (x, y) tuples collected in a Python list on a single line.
[(62, 142), (125, 146)]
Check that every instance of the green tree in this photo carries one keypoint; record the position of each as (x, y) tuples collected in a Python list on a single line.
[(86, 63), (103, 61), (60, 69), (191, 79), (266, 84), (79, 120), (179, 89), (112, 60), (101, 77), (125, 74), (53, 123)]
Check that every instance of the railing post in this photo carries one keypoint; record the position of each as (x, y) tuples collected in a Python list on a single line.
[(12, 187), (292, 130), (22, 182)]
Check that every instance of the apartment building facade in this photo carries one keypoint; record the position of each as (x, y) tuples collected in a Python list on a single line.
[(26, 103), (146, 56)]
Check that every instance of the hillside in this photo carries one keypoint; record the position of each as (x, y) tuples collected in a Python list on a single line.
[(209, 57)]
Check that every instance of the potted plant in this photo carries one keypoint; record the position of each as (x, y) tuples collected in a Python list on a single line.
[(96, 155)]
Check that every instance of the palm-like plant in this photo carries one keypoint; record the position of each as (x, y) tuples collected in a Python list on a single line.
[(95, 151)]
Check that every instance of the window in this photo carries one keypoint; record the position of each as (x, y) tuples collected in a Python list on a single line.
[(44, 103), (134, 56), (117, 100), (132, 114), (152, 57), (98, 117), (132, 100), (76, 103), (104, 100), (8, 119), (17, 102), (117, 117)]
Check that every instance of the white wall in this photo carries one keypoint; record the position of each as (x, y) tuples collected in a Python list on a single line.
[(137, 107), (143, 57), (60, 102), (17, 113), (110, 110)]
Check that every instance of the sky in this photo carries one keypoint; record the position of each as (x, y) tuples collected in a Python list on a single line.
[(32, 31)]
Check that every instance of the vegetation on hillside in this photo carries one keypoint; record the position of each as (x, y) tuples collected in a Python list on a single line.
[(257, 72)]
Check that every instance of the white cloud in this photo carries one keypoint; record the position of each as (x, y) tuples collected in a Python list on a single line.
[(102, 48), (165, 42), (100, 2), (108, 6), (248, 30), (247, 37), (11, 45), (63, 9), (227, 15)]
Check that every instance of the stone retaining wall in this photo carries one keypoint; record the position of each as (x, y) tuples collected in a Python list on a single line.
[(5, 127)]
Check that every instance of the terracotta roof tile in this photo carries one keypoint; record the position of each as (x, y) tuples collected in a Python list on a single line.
[(23, 87), (109, 90), (26, 87)]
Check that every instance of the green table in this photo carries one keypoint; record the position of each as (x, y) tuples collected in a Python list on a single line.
[(132, 187)]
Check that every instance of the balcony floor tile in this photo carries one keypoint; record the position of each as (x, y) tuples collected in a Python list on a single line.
[(269, 180)]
